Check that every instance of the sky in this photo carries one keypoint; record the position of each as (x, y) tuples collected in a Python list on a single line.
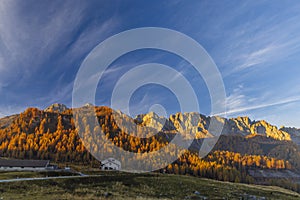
[(254, 44)]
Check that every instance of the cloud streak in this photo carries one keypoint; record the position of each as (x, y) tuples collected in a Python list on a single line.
[(258, 42), (243, 108)]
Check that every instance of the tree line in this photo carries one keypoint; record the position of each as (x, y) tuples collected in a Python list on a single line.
[(36, 134)]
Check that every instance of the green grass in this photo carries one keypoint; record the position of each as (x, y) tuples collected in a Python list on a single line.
[(19, 174), (137, 186), (13, 175)]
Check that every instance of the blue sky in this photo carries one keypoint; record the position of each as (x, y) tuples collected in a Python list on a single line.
[(255, 44)]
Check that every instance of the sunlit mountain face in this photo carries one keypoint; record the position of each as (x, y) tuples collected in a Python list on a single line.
[(244, 147)]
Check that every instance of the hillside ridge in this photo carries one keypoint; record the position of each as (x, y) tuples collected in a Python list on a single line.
[(193, 122)]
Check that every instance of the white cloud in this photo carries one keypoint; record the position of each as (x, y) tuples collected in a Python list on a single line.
[(260, 41), (265, 106), (58, 94), (235, 101), (90, 38), (237, 104), (258, 57), (56, 32), (31, 36), (27, 39)]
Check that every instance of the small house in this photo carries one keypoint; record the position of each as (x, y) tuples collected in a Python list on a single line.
[(110, 164)]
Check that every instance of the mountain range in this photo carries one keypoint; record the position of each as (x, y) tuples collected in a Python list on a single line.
[(243, 144), (198, 124), (193, 122)]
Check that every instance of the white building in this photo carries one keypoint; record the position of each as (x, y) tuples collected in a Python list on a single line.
[(110, 164), (25, 165)]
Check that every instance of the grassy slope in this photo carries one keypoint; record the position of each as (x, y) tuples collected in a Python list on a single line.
[(139, 186), (18, 174)]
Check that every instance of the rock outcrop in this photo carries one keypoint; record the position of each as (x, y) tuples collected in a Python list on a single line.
[(194, 124), (56, 108), (199, 125)]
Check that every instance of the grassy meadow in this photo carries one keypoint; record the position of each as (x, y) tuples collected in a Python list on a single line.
[(117, 185)]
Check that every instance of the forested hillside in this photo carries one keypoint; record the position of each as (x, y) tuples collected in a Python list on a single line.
[(51, 134)]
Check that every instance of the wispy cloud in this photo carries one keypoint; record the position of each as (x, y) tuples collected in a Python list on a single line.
[(50, 38), (28, 41), (259, 56), (253, 51), (259, 41), (242, 101), (239, 104), (58, 94)]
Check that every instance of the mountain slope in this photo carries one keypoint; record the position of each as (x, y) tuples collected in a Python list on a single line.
[(56, 124), (294, 133), (243, 145)]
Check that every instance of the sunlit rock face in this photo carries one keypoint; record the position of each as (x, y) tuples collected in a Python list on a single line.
[(264, 128), (152, 120), (193, 124), (199, 125), (58, 108)]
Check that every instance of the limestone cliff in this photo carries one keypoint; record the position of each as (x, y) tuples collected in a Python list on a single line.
[(198, 125)]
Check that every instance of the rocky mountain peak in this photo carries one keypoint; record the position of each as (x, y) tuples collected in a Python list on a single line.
[(152, 120), (56, 107), (264, 128), (199, 125), (88, 105)]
